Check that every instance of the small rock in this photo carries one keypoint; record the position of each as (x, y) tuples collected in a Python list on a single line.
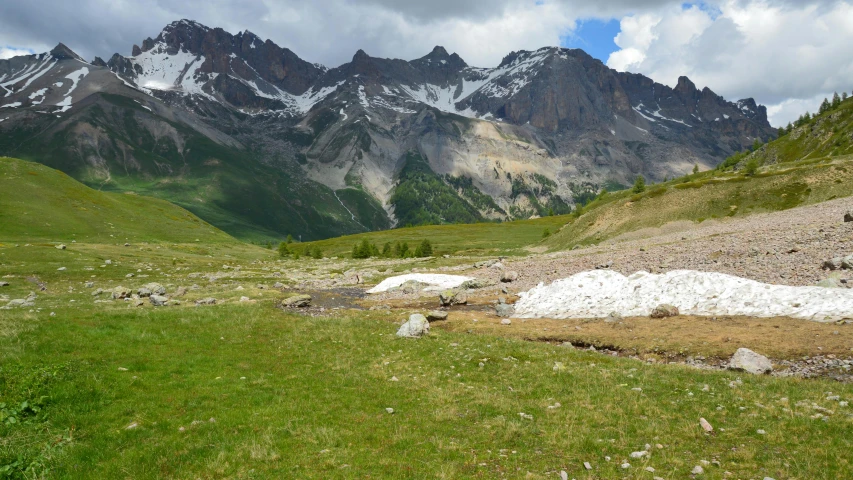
[(61, 246), (650, 469), (761, 432), (206, 301), (564, 475), (4, 284), (504, 310), (108, 262), (416, 327), (509, 276), (158, 300), (485, 263), (389, 410), (639, 454), (131, 426), (61, 269), (180, 292), (604, 266), (848, 217), (705, 425), (613, 318), (749, 361), (697, 470), (120, 293), (245, 299), (587, 465), (626, 465), (87, 284), (298, 301), (278, 285), (833, 263), (436, 315), (664, 311)]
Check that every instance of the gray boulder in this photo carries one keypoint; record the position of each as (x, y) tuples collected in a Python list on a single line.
[(89, 284), (154, 288), (158, 300), (206, 301), (664, 311), (120, 293), (847, 262), (298, 301), (4, 284), (613, 318), (833, 263), (485, 263), (452, 297), (278, 285), (474, 284), (416, 327), (509, 276), (848, 217), (61, 246), (436, 315), (748, 361), (504, 310)]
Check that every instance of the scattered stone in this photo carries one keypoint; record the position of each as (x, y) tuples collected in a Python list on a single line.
[(138, 302), (278, 285), (509, 276), (626, 465), (131, 426), (122, 369), (506, 321), (451, 297), (97, 292), (61, 246), (61, 269), (848, 217), (89, 284), (497, 266), (245, 299), (389, 410), (151, 289), (298, 301), (108, 262), (613, 318), (650, 469), (206, 301), (639, 454), (474, 284), (485, 263), (705, 425), (833, 263), (416, 327), (130, 275), (697, 470), (504, 310), (120, 293), (4, 284), (749, 361), (664, 311), (587, 465), (436, 315), (604, 266), (180, 292), (380, 307), (564, 475), (158, 300)]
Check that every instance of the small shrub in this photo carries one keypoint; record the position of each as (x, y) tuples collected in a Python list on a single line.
[(751, 167), (546, 233), (639, 184), (283, 249), (316, 253)]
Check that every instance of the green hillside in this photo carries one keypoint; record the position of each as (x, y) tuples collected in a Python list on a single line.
[(40, 203)]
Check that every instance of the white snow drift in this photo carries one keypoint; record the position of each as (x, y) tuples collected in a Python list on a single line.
[(597, 293), (436, 281)]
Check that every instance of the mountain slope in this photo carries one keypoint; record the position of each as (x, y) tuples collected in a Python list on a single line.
[(39, 203), (263, 144)]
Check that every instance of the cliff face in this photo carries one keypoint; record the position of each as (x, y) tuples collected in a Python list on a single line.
[(526, 137)]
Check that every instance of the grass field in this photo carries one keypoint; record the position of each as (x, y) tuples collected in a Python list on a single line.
[(295, 396), (93, 388), (40, 203)]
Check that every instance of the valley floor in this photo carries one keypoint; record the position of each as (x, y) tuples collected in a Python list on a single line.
[(92, 387)]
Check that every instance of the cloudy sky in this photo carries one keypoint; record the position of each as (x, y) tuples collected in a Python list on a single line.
[(787, 54)]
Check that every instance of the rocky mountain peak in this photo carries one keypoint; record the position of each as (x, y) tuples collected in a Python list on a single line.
[(62, 52), (685, 87)]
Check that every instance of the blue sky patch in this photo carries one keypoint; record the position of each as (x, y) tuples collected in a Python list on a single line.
[(595, 37)]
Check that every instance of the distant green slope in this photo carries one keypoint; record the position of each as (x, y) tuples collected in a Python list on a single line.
[(708, 195), (40, 203)]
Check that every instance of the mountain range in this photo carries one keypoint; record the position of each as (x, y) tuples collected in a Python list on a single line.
[(261, 143)]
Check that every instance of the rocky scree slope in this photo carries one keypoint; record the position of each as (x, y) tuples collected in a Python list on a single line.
[(261, 143)]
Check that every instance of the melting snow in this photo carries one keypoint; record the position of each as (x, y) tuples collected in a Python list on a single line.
[(597, 293), (75, 78), (436, 281), (11, 105), (344, 114)]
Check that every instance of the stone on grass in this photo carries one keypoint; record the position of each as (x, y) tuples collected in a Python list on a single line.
[(416, 327), (485, 263), (506, 321), (89, 284), (705, 425), (278, 285), (4, 284), (158, 300), (206, 301), (474, 283), (436, 315), (509, 276), (452, 297), (697, 470), (298, 301), (613, 318), (120, 293), (749, 361), (61, 246), (504, 310), (664, 311)]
